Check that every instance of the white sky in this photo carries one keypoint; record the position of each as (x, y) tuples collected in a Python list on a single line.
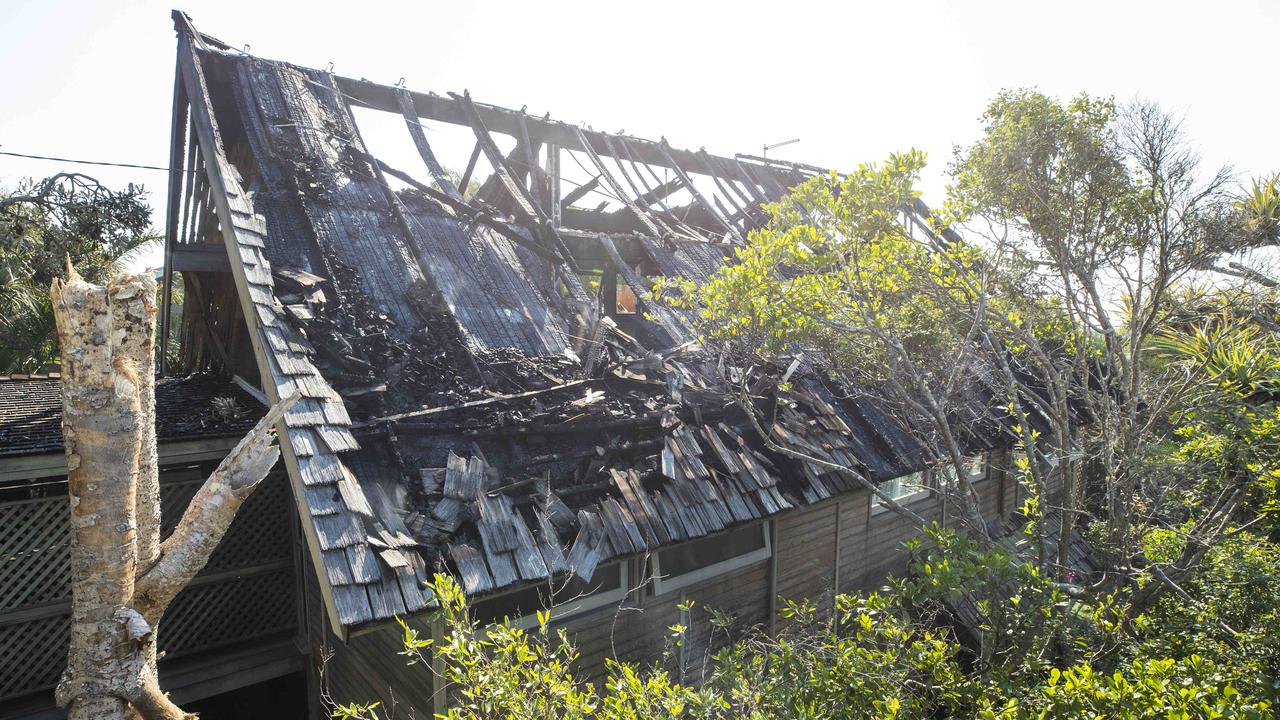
[(854, 81)]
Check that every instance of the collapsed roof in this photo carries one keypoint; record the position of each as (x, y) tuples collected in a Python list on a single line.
[(472, 404)]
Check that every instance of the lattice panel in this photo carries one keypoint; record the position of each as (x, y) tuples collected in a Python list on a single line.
[(35, 546), (261, 532), (223, 613), (35, 538), (33, 654), (258, 535)]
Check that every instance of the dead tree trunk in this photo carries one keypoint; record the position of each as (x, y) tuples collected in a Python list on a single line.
[(122, 577)]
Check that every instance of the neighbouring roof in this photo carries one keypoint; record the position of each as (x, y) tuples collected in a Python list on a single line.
[(187, 408), (467, 406)]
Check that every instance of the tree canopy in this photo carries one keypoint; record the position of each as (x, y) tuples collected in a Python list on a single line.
[(43, 224)]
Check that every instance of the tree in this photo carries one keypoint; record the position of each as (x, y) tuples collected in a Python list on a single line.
[(837, 276), (41, 223), (1107, 205), (1087, 225), (122, 577)]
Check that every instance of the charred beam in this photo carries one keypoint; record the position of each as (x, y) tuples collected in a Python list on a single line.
[(424, 148), (579, 192), (660, 192), (471, 167)]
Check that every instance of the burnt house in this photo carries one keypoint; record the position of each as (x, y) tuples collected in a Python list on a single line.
[(490, 390)]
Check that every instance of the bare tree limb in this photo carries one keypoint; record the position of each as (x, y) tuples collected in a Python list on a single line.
[(210, 513)]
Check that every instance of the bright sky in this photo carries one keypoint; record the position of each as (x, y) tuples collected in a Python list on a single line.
[(853, 80)]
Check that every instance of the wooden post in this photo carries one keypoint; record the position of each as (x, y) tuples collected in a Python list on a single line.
[(609, 290), (773, 576), (471, 167), (176, 147), (553, 180)]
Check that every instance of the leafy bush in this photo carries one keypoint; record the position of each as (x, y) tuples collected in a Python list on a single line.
[(876, 656)]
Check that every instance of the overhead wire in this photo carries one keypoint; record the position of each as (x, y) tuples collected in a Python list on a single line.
[(84, 162)]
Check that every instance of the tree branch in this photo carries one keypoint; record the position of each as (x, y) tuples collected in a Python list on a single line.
[(209, 515), (141, 688)]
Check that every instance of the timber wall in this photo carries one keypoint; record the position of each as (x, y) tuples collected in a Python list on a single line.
[(838, 545)]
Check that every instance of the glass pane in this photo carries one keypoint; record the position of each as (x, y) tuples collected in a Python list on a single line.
[(975, 466), (529, 600), (709, 551), (947, 476)]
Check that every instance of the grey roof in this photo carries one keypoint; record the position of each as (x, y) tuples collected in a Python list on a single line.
[(189, 407)]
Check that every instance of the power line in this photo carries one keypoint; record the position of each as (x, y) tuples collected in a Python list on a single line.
[(84, 162)]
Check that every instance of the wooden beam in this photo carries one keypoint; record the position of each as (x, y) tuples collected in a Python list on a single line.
[(688, 182), (177, 146), (471, 167), (424, 148), (618, 191), (504, 175), (660, 192), (579, 192), (589, 254), (531, 160), (640, 170), (198, 258), (598, 221), (540, 226), (170, 453), (553, 184)]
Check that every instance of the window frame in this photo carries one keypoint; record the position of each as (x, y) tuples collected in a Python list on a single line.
[(662, 586), (983, 457), (926, 490), (573, 608)]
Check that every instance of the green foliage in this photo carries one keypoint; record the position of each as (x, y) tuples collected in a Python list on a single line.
[(1240, 359), (877, 655), (1260, 209), (837, 274), (1165, 688), (501, 671), (1233, 617), (1228, 431), (41, 225), (870, 660), (1052, 169)]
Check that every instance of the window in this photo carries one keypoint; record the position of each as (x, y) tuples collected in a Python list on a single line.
[(905, 489), (608, 586), (691, 562), (975, 466)]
